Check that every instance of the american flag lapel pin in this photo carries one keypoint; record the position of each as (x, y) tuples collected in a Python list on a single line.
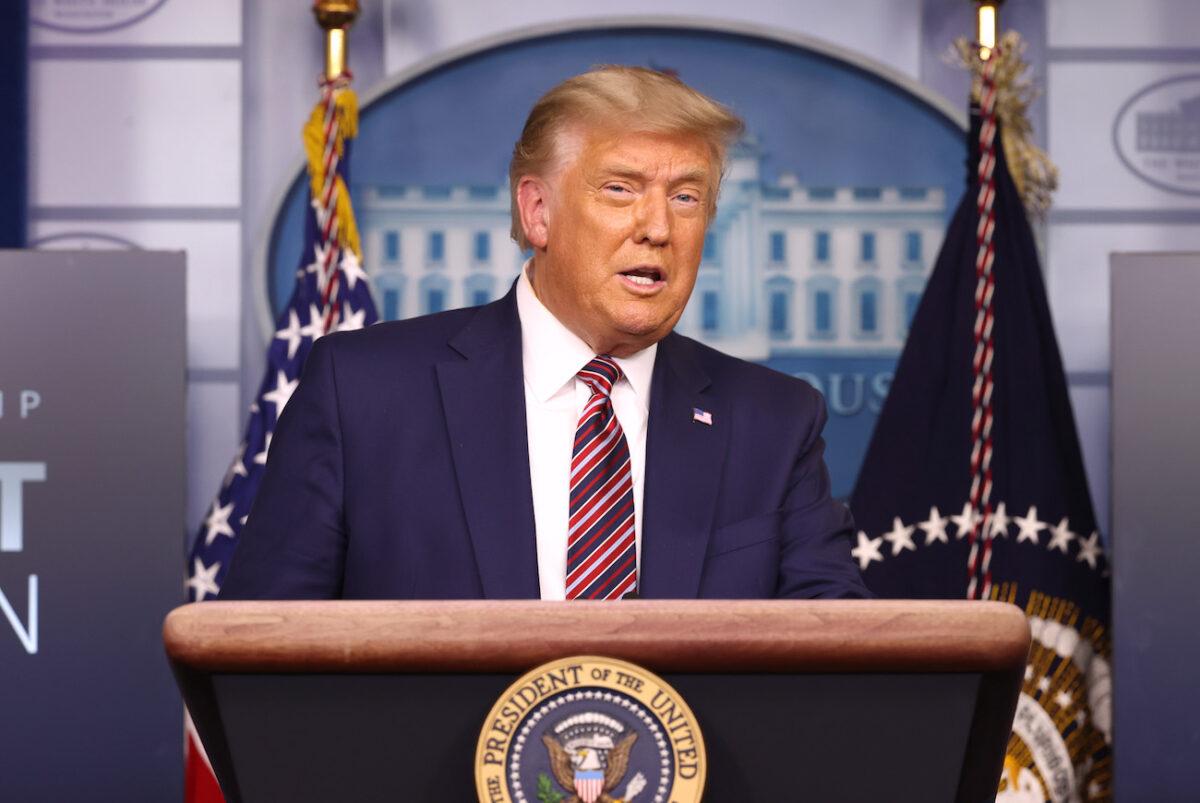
[(702, 416)]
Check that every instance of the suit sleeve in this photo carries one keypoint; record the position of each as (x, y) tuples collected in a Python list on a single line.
[(815, 560), (293, 545)]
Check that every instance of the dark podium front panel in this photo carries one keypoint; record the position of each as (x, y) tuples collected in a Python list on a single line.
[(871, 738), (385, 701)]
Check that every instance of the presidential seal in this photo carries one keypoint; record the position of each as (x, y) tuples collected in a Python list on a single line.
[(1060, 747), (590, 730)]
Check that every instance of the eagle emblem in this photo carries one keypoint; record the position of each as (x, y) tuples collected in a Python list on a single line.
[(592, 759), (605, 739)]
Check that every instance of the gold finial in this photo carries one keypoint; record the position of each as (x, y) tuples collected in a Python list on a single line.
[(1032, 171), (987, 24), (336, 17)]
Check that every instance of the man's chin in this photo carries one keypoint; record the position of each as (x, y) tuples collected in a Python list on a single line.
[(633, 336), (626, 328)]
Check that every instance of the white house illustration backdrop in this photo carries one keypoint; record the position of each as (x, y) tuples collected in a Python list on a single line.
[(787, 269)]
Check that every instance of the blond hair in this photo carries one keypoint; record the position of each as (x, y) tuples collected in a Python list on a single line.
[(633, 98)]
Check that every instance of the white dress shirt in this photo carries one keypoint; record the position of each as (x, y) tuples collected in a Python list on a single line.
[(554, 399)]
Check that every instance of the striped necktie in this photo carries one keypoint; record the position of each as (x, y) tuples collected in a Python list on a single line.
[(601, 551)]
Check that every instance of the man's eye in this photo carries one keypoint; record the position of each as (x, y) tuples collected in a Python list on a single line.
[(616, 188), (687, 198)]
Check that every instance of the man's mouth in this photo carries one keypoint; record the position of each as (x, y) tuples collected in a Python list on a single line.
[(643, 277)]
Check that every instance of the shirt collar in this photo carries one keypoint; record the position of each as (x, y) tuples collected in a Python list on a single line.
[(553, 354)]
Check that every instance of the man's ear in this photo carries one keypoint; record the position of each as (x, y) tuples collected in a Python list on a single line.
[(533, 201)]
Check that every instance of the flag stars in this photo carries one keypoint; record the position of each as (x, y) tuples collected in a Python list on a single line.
[(999, 522), (900, 537), (352, 268), (935, 527), (320, 256), (867, 550), (1061, 537), (352, 320), (1090, 549), (1063, 700), (238, 467), (291, 333), (1030, 526), (1043, 684), (203, 581), (261, 458), (315, 328), (965, 521), (217, 522), (282, 394)]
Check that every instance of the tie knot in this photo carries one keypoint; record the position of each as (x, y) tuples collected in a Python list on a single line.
[(601, 374)]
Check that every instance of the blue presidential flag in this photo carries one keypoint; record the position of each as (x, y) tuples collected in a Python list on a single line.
[(973, 484)]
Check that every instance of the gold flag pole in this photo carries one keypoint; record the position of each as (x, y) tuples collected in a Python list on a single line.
[(335, 17), (333, 121)]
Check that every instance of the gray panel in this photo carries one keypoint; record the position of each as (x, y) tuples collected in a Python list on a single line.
[(97, 338), (186, 213), (1156, 459), (1178, 217), (1184, 55), (130, 52)]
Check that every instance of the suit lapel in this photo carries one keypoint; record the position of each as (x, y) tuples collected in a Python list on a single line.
[(684, 461), (483, 397)]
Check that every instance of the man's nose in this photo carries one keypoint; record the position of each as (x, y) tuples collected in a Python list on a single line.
[(653, 218)]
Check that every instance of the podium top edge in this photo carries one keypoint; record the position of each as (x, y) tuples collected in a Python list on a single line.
[(350, 636)]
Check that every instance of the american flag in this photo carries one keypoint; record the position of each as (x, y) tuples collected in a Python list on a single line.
[(331, 293)]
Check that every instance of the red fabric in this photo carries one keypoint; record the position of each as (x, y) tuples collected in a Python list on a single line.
[(199, 783)]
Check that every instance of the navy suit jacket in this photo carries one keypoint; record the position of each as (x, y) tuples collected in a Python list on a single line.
[(400, 470)]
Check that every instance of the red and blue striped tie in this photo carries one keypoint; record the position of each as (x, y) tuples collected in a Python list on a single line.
[(601, 550)]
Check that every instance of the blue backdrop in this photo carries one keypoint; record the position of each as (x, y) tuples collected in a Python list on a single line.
[(830, 123)]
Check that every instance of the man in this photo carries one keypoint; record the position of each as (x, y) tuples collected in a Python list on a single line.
[(561, 442)]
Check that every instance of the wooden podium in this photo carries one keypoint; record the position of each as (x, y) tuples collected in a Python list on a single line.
[(797, 700)]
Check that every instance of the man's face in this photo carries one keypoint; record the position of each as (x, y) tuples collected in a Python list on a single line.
[(624, 232)]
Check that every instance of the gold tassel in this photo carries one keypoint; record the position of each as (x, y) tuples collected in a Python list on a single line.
[(346, 103), (1034, 174)]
